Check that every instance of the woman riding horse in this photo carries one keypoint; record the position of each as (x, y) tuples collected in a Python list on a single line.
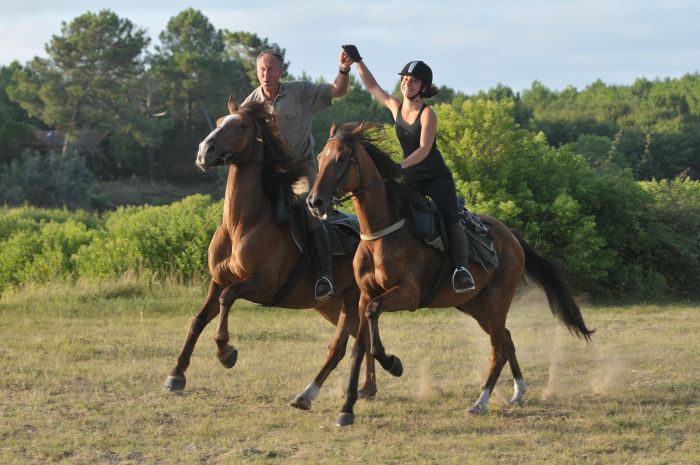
[(423, 167), (395, 270)]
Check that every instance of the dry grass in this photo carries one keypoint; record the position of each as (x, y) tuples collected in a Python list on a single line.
[(83, 366)]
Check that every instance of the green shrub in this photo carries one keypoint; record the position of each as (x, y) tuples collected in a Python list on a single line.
[(29, 218), (163, 239), (674, 225), (46, 181), (42, 255), (593, 220)]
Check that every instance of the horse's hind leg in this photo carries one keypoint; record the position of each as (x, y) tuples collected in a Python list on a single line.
[(176, 380), (496, 362), (489, 309), (336, 352), (519, 385), (346, 322)]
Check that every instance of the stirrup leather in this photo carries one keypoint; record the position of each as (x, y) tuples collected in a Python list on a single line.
[(470, 285), (324, 294)]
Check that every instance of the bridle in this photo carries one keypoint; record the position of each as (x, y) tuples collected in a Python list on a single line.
[(236, 158), (351, 159)]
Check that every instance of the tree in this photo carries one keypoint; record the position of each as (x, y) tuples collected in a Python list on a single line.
[(15, 128), (193, 79), (89, 80), (189, 64), (653, 125)]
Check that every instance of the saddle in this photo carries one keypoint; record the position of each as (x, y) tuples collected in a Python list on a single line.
[(427, 224), (343, 229), (343, 233)]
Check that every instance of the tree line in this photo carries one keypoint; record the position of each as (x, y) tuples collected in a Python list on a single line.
[(158, 104), (603, 179)]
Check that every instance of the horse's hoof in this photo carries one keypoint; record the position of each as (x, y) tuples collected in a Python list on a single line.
[(478, 409), (366, 393), (301, 402), (518, 401), (396, 367), (229, 357), (174, 383), (345, 419)]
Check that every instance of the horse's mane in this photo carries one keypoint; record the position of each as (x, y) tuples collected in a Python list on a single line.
[(280, 170), (372, 138)]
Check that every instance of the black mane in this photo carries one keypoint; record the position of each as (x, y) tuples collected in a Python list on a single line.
[(280, 170)]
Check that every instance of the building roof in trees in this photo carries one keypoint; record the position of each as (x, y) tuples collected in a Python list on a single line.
[(87, 140)]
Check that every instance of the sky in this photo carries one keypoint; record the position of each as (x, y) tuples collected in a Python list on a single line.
[(470, 45)]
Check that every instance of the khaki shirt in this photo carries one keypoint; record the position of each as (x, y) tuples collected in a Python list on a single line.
[(295, 105)]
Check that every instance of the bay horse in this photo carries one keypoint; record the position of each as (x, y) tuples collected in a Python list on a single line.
[(251, 257), (395, 270)]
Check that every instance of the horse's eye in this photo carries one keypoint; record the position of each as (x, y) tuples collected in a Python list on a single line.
[(244, 126)]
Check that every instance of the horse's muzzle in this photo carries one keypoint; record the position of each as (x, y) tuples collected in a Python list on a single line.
[(317, 205), (206, 155)]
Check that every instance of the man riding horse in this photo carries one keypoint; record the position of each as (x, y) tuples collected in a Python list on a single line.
[(295, 103)]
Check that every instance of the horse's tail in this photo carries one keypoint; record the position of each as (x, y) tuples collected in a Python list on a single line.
[(551, 278)]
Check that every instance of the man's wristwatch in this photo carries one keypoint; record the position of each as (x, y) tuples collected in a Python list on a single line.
[(340, 70)]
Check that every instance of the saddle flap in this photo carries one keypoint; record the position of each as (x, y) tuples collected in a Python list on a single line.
[(344, 233)]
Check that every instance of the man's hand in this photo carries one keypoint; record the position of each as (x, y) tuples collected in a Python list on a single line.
[(345, 62)]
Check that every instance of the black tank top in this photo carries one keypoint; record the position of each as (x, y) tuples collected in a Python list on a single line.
[(433, 165)]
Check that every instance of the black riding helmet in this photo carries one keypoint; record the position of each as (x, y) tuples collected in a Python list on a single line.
[(420, 70)]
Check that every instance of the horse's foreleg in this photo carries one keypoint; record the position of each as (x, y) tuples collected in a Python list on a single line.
[(351, 306), (369, 388), (347, 417), (176, 380), (395, 298), (227, 354)]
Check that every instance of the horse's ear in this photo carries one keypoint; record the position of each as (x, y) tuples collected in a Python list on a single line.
[(231, 104), (334, 129), (360, 129)]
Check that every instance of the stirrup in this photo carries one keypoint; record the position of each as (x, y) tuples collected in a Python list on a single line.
[(323, 290), (467, 286)]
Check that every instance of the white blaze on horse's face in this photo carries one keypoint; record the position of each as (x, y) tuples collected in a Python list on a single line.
[(212, 148)]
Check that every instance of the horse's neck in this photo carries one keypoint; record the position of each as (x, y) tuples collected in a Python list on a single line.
[(244, 200), (372, 205)]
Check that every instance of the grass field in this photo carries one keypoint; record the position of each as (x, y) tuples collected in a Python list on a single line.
[(82, 368)]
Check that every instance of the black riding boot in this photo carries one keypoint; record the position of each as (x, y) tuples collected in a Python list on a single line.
[(462, 280), (323, 289)]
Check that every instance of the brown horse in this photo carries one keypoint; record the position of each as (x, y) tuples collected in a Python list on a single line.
[(395, 270), (251, 257)]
